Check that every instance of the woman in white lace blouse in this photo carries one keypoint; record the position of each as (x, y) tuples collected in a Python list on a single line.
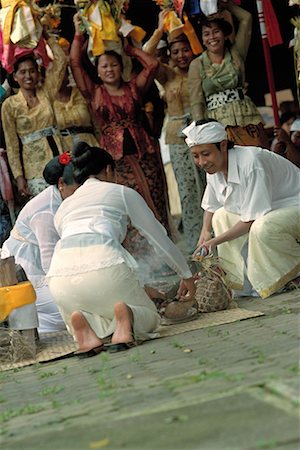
[(34, 237), (91, 276)]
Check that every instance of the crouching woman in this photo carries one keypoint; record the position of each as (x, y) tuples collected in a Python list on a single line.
[(91, 275)]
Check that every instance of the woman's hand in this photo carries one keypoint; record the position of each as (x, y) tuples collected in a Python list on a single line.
[(22, 186), (77, 23), (161, 19), (187, 290)]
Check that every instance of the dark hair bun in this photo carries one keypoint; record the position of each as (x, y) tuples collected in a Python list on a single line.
[(53, 171), (89, 161), (79, 149)]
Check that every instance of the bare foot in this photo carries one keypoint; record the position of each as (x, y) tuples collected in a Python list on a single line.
[(84, 334), (124, 321)]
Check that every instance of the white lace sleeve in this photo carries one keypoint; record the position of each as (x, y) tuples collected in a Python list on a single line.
[(143, 219), (42, 226)]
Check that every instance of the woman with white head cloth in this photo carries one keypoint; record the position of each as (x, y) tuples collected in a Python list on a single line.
[(251, 202), (34, 237)]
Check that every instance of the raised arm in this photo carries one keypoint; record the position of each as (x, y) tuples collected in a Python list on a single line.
[(83, 81), (164, 72), (55, 74), (243, 35), (151, 45), (145, 78), (197, 101)]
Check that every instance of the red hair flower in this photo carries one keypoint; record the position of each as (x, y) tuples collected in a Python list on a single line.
[(65, 158)]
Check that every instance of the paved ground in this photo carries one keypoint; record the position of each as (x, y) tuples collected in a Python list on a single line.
[(237, 389)]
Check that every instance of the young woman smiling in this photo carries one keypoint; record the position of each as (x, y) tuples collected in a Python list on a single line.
[(217, 80), (174, 79), (28, 117)]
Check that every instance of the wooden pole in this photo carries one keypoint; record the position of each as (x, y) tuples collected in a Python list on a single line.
[(269, 69)]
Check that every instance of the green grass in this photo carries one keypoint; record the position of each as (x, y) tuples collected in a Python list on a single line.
[(175, 383), (27, 409), (272, 443), (177, 344), (50, 390)]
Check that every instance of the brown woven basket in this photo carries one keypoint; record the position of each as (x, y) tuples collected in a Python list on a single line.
[(212, 292)]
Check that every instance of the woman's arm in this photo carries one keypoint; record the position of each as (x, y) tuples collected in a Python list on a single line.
[(82, 79), (143, 219), (151, 45), (164, 72), (145, 78), (55, 74), (12, 145), (42, 225), (197, 101), (243, 35)]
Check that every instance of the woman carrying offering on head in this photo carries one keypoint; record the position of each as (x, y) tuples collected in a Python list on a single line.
[(174, 79), (217, 80), (116, 105), (28, 118)]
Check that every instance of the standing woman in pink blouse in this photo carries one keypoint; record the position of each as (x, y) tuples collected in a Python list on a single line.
[(117, 108)]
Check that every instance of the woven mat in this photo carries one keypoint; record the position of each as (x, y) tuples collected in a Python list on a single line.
[(52, 346)]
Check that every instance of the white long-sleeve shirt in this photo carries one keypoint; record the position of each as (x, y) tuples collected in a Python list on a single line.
[(34, 237), (258, 181), (92, 225)]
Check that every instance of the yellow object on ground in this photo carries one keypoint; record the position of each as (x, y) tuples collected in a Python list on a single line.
[(12, 297)]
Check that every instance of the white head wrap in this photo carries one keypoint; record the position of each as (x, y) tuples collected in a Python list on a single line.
[(209, 133), (295, 125)]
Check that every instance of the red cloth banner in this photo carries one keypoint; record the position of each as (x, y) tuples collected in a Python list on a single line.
[(272, 26)]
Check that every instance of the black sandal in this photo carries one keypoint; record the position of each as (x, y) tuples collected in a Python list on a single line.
[(120, 347), (92, 352)]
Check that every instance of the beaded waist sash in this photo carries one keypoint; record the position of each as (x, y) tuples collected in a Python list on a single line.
[(222, 98), (39, 134)]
